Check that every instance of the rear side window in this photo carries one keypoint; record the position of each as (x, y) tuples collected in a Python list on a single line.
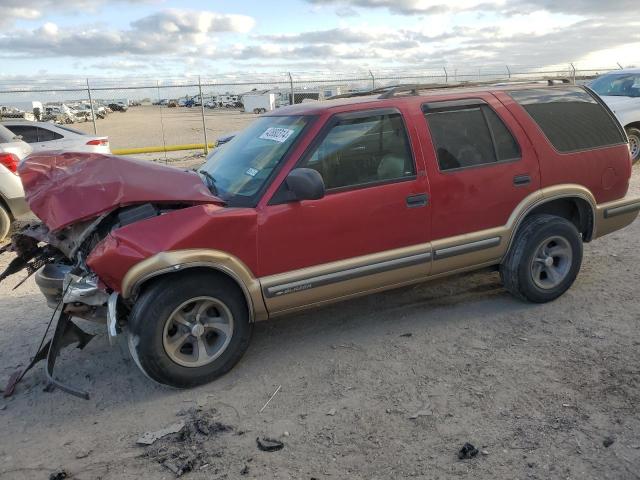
[(470, 136), (45, 135), (570, 118)]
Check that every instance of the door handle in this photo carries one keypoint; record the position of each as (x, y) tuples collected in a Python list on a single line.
[(520, 180), (419, 200)]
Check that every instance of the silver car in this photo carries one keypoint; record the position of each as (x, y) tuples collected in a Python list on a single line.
[(12, 202)]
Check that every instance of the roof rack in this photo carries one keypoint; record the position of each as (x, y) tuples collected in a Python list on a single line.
[(414, 89)]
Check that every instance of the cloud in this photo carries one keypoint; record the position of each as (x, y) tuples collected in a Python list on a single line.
[(11, 10), (432, 7), (164, 33)]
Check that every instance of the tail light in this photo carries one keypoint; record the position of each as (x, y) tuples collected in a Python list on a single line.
[(10, 161), (99, 141)]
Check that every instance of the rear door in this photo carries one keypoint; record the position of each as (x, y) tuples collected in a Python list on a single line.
[(481, 166), (370, 230)]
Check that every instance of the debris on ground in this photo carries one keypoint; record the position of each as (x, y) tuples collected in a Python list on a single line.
[(61, 475), (84, 453), (407, 335), (150, 437), (608, 441), (270, 398), (269, 444), (245, 470), (187, 448), (331, 412), (421, 413), (467, 451)]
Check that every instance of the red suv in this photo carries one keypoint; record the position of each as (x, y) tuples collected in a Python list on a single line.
[(321, 202)]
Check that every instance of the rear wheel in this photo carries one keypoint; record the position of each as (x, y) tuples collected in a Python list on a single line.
[(634, 143), (5, 222), (190, 330), (544, 259)]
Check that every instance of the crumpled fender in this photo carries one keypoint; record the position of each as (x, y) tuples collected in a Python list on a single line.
[(231, 230), (66, 188)]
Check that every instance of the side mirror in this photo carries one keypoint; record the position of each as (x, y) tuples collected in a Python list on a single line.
[(305, 184)]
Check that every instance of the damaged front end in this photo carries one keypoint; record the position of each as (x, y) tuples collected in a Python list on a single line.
[(80, 200), (58, 263)]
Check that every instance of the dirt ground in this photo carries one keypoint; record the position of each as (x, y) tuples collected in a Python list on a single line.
[(388, 386), (146, 126)]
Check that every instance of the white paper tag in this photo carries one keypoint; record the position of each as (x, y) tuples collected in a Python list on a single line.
[(252, 172), (276, 134)]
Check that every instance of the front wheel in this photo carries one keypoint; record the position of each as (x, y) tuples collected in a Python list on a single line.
[(634, 143), (544, 259), (188, 330)]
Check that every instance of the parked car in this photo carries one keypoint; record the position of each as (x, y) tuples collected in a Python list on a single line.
[(326, 201), (12, 202), (620, 90), (119, 107), (49, 136)]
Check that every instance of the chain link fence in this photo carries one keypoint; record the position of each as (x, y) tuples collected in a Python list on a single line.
[(141, 114)]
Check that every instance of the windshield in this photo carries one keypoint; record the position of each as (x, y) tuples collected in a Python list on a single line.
[(242, 166), (617, 85)]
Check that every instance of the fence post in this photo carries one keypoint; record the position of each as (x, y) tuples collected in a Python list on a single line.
[(373, 80), (621, 67), (446, 75), (573, 74), (204, 123), (293, 98), (93, 114), (508, 72)]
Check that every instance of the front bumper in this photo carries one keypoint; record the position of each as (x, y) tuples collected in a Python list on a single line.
[(81, 294)]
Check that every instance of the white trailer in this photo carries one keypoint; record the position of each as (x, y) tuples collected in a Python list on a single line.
[(259, 103)]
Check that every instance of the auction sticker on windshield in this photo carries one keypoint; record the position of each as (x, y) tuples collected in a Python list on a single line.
[(276, 134)]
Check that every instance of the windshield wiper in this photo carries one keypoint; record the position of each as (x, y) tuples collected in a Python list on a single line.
[(211, 181)]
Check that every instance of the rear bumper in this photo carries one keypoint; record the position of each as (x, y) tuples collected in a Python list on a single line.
[(612, 216)]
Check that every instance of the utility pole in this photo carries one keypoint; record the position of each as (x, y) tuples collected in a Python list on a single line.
[(93, 114), (204, 123), (293, 99)]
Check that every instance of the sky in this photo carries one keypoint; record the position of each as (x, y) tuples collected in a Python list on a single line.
[(165, 38)]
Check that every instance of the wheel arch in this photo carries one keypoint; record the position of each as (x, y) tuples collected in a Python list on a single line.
[(180, 261), (573, 202), (632, 125)]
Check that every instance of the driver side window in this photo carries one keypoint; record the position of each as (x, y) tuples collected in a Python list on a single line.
[(363, 151)]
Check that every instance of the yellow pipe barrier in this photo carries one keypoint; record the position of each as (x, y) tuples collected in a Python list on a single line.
[(168, 148)]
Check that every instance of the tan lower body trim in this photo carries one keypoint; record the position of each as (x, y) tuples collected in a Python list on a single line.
[(612, 216)]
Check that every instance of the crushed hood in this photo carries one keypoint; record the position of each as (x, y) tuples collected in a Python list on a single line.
[(66, 188)]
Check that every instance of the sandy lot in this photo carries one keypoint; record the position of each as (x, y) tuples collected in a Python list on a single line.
[(538, 388), (145, 126)]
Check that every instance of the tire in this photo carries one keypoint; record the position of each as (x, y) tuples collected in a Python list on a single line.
[(524, 272), (634, 143), (156, 328), (5, 223)]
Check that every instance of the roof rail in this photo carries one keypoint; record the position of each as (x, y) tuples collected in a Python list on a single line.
[(414, 89)]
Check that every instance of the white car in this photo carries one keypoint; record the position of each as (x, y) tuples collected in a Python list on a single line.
[(620, 90), (12, 202), (50, 136)]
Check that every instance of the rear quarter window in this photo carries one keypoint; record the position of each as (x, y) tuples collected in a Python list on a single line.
[(571, 119)]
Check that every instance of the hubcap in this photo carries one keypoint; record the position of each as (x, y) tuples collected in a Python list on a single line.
[(634, 146), (551, 262), (198, 332)]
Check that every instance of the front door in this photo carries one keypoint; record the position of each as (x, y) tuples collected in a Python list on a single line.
[(369, 231)]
